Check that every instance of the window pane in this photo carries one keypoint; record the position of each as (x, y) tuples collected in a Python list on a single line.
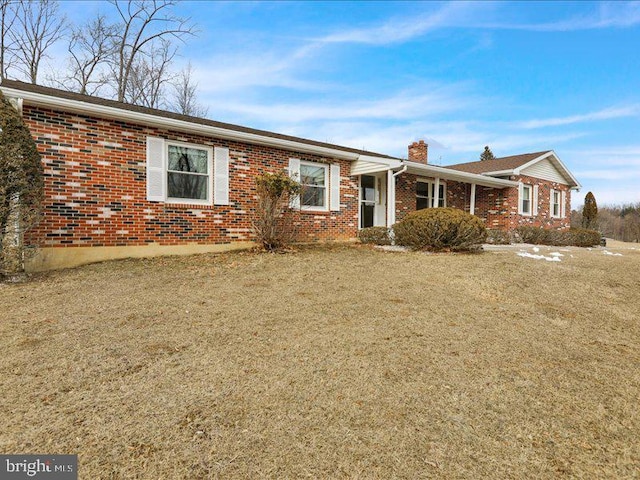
[(422, 189), (366, 215), (368, 184), (185, 159), (422, 203), (525, 206), (311, 175), (193, 187), (313, 196)]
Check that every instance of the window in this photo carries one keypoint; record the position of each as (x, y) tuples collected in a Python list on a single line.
[(555, 203), (425, 192), (313, 179), (185, 173), (188, 173), (526, 200)]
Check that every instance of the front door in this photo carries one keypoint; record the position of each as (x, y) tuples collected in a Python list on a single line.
[(367, 201)]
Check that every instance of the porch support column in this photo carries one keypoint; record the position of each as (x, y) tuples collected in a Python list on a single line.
[(391, 199), (472, 202), (436, 193)]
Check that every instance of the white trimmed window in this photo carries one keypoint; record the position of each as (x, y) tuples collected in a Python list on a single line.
[(187, 173), (189, 169), (425, 191), (556, 198), (314, 182), (525, 199)]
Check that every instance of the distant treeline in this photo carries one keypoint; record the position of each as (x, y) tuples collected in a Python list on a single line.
[(620, 222)]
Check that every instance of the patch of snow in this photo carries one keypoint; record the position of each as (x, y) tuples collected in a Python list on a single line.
[(607, 252), (538, 257), (535, 249), (556, 254), (392, 248)]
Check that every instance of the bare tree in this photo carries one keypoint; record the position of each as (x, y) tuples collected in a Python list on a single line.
[(90, 49), (150, 75), (142, 24), (185, 94), (7, 19), (39, 26)]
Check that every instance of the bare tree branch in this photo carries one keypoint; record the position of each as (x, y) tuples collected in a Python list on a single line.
[(143, 23), (7, 46), (90, 49), (185, 94), (39, 27), (150, 75)]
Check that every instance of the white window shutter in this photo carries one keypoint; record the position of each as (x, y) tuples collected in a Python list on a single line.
[(535, 200), (520, 197), (156, 172), (551, 202), (294, 173), (334, 183), (563, 200), (220, 176)]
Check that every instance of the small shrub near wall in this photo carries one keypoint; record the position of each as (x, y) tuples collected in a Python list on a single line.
[(577, 237), (499, 237), (440, 229), (375, 235)]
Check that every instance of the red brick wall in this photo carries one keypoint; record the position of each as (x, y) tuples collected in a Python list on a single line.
[(405, 195), (499, 207), (544, 219), (95, 185)]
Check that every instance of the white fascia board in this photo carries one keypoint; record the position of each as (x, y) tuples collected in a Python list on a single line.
[(499, 173), (457, 175), (77, 106), (555, 159)]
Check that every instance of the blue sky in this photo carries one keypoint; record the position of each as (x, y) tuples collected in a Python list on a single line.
[(519, 77)]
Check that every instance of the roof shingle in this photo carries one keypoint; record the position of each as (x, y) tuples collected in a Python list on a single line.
[(497, 164)]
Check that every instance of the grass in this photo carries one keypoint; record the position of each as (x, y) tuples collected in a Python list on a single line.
[(335, 362)]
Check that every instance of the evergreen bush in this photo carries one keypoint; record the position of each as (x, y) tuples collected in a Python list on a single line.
[(440, 229)]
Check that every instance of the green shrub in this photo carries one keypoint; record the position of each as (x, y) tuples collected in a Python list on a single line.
[(499, 237), (577, 237), (534, 235), (375, 235), (438, 229)]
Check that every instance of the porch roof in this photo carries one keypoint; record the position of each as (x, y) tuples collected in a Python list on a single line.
[(369, 166)]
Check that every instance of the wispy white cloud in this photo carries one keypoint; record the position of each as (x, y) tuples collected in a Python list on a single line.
[(604, 114), (402, 105), (482, 16), (608, 15), (401, 29)]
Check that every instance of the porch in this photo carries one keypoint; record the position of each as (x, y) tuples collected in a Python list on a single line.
[(389, 190)]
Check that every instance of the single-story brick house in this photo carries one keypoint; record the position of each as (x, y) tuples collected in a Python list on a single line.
[(128, 181)]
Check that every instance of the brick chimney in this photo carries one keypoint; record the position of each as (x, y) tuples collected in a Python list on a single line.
[(418, 152)]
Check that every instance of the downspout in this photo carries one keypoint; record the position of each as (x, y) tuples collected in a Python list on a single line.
[(404, 169)]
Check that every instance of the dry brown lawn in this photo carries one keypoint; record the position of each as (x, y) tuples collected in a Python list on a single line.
[(333, 362)]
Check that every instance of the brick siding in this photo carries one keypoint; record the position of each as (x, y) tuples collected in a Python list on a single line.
[(95, 188)]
